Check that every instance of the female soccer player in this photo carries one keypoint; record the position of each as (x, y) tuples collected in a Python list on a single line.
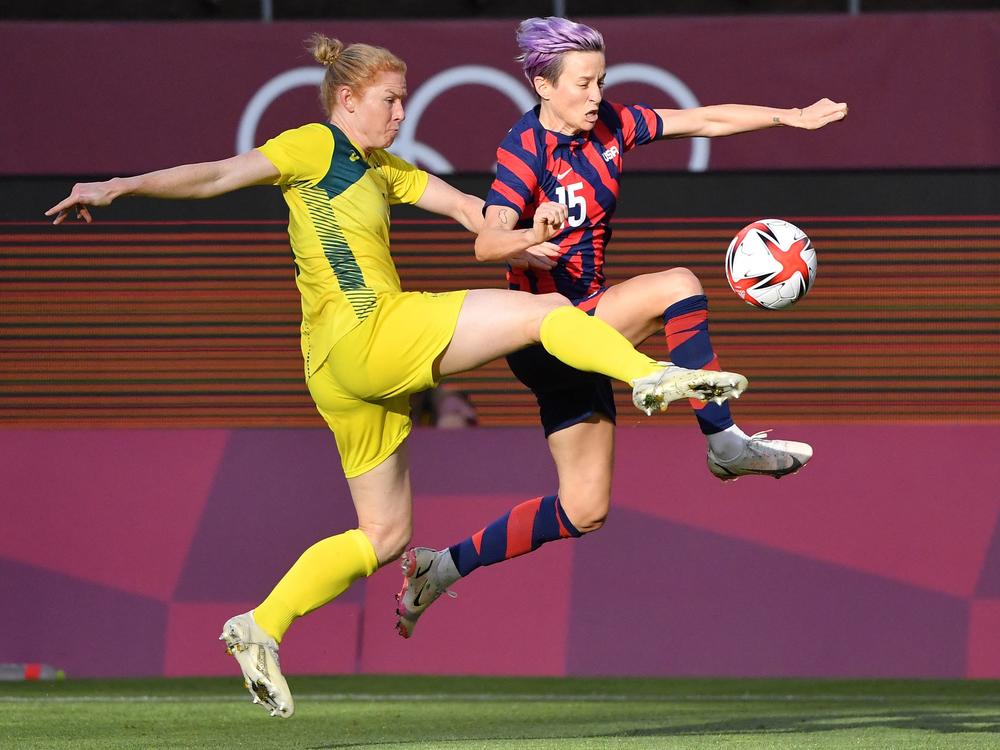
[(367, 344), (569, 149)]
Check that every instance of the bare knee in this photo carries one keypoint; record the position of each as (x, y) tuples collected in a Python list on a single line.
[(678, 284), (587, 511), (546, 303), (388, 540), (541, 306)]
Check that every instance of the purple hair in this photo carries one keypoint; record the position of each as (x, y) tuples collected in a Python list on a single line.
[(544, 40)]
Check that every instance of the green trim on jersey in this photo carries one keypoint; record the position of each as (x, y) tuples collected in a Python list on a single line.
[(346, 167)]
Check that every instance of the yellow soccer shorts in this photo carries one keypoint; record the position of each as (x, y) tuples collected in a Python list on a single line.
[(363, 387)]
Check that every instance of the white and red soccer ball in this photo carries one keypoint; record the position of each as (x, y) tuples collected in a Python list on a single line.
[(771, 263)]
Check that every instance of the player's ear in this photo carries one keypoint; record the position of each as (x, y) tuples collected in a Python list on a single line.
[(542, 87), (345, 98)]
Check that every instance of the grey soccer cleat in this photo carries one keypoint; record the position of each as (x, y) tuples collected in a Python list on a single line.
[(422, 585), (772, 458), (653, 392), (257, 654)]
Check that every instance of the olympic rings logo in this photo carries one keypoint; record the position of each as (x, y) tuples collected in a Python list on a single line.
[(409, 148)]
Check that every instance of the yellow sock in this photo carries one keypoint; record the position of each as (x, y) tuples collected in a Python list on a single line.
[(588, 343), (323, 572)]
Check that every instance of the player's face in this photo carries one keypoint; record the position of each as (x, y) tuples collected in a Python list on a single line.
[(572, 101), (379, 110)]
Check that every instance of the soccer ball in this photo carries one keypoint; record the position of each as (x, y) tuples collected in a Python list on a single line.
[(771, 263)]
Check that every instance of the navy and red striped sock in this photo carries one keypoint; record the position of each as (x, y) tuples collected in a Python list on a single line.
[(525, 528), (686, 326)]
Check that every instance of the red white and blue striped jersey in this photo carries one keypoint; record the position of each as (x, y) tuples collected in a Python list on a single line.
[(535, 165)]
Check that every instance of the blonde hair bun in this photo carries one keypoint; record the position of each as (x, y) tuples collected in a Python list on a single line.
[(324, 49)]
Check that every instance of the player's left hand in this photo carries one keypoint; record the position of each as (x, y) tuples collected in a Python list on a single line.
[(549, 219), (83, 195), (819, 114), (541, 256)]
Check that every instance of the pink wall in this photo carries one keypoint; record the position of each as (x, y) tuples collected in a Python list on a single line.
[(124, 552), (145, 96)]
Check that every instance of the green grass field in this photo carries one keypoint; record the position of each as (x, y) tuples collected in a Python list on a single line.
[(507, 713)]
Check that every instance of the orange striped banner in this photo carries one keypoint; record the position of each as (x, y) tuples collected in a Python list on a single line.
[(196, 324)]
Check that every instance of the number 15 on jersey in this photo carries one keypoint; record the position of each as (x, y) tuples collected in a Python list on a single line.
[(575, 202)]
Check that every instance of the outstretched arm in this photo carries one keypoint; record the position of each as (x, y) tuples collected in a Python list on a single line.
[(728, 119), (204, 180)]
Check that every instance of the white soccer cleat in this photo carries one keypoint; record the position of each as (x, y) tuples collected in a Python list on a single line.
[(772, 458), (652, 393), (421, 587), (257, 654)]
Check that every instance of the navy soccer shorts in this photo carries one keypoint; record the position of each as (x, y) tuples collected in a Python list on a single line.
[(565, 396)]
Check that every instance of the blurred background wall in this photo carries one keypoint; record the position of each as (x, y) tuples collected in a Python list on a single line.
[(200, 10), (161, 464)]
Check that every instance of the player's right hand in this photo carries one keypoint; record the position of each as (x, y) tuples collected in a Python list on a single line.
[(549, 219), (81, 197)]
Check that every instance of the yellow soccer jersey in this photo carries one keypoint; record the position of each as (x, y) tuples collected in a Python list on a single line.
[(338, 203)]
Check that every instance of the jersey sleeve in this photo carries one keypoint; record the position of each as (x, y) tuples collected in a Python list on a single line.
[(516, 180), (639, 124), (302, 154), (405, 182)]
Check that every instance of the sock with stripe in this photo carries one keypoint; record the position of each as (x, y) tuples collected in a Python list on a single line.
[(588, 343), (322, 573), (525, 528), (686, 327)]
